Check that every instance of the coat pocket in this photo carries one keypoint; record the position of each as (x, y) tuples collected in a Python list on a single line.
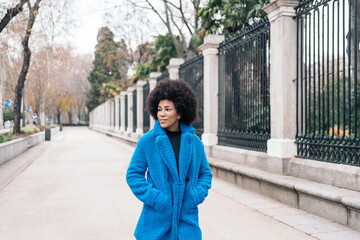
[(162, 202), (200, 193), (189, 198)]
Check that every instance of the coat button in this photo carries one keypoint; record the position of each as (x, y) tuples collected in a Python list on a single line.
[(186, 179)]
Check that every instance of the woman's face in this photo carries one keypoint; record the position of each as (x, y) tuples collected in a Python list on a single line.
[(168, 116)]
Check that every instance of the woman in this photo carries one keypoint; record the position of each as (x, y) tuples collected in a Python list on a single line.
[(172, 157)]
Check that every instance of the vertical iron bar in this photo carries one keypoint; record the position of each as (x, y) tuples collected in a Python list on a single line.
[(323, 71), (356, 66), (343, 74), (314, 77), (319, 76), (327, 70), (297, 80), (333, 71), (349, 65), (338, 68), (301, 74), (306, 75)]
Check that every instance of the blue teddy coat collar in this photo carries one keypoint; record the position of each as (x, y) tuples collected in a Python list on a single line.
[(167, 153)]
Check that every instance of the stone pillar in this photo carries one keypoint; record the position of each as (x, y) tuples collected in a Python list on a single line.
[(103, 120), (173, 68), (211, 81), (282, 147), (152, 84), (108, 115), (140, 107), (130, 109), (122, 113), (112, 114), (117, 113), (105, 115)]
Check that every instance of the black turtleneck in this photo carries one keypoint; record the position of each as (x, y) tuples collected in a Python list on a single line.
[(174, 138)]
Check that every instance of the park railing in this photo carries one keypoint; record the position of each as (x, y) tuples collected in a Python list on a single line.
[(146, 91), (231, 79), (126, 112), (163, 76), (244, 94), (328, 89), (192, 72)]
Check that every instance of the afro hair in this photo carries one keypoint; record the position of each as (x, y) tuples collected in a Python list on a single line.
[(180, 93)]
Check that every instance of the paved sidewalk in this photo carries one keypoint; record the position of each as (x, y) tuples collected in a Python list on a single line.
[(298, 219), (74, 188)]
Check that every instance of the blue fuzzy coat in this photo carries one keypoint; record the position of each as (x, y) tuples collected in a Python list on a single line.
[(170, 198)]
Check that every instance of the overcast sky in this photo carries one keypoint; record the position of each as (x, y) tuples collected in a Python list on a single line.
[(90, 21)]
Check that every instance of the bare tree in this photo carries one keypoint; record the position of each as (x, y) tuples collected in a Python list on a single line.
[(180, 19), (11, 13), (33, 12)]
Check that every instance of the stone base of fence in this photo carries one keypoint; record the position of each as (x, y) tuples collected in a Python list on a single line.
[(123, 136), (309, 184)]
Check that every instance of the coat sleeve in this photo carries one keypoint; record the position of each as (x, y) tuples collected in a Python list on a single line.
[(204, 179), (135, 178)]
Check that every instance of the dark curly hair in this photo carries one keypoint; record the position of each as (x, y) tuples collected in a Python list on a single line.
[(177, 91)]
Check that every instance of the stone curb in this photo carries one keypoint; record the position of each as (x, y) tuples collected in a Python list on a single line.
[(341, 205)]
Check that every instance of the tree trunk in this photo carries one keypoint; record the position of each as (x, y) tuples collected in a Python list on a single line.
[(11, 13), (70, 117), (33, 11), (58, 118)]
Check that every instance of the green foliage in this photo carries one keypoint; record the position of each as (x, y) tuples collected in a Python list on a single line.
[(161, 51), (106, 67), (109, 90), (229, 16), (8, 115), (6, 137), (334, 111)]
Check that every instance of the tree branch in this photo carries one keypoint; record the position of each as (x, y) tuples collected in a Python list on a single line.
[(173, 38), (11, 13)]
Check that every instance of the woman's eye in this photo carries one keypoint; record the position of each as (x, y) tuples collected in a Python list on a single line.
[(168, 109)]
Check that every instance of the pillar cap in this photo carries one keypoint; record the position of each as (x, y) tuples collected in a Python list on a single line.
[(211, 41), (140, 83), (279, 8), (130, 89), (175, 63), (155, 74)]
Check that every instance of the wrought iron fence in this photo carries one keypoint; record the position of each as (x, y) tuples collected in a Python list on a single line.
[(119, 111), (126, 112), (114, 118), (328, 89), (163, 76), (244, 94), (192, 72), (146, 120), (134, 110)]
